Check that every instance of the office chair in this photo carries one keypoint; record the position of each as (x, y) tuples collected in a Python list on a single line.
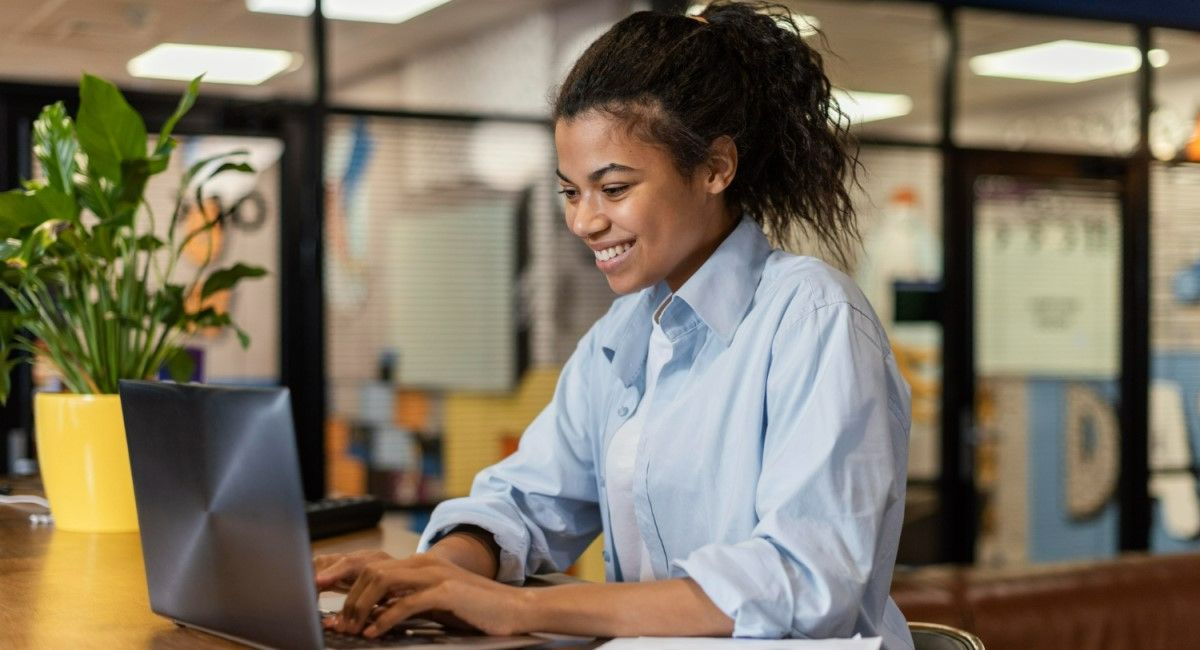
[(931, 636)]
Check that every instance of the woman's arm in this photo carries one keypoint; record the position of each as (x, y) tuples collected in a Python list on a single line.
[(389, 591), (830, 493), (676, 607), (539, 505), (471, 548)]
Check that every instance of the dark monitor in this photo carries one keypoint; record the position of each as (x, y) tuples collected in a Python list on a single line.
[(917, 301)]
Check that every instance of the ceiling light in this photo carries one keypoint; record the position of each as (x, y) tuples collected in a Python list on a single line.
[(808, 25), (862, 106), (371, 11), (229, 65), (285, 7), (1065, 61)]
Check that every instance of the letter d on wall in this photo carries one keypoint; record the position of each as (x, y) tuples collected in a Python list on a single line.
[(1092, 453)]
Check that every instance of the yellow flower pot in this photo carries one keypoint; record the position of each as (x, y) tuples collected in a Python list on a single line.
[(84, 462)]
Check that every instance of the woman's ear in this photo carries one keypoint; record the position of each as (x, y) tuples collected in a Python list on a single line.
[(721, 165)]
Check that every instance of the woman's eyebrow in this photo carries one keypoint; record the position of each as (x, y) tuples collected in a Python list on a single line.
[(599, 173)]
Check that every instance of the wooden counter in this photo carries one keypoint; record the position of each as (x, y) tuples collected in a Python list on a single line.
[(88, 590)]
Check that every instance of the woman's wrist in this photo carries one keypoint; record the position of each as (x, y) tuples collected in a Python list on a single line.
[(470, 550), (529, 613)]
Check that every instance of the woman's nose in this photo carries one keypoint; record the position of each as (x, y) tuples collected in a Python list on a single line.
[(587, 220)]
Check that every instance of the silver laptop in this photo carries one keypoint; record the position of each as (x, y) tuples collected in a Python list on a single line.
[(221, 510)]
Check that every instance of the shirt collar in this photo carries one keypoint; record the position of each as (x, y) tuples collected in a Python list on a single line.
[(718, 293)]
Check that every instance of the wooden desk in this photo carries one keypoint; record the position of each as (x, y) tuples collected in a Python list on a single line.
[(82, 590)]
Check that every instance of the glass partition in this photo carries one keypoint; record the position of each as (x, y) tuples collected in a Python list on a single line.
[(1047, 327), (1175, 356), (900, 271), (430, 289), (1175, 296), (883, 59), (1036, 83), (495, 58)]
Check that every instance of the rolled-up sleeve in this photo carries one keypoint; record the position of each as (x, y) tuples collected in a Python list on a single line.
[(829, 497), (541, 502)]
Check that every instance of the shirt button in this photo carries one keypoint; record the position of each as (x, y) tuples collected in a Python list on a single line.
[(623, 411)]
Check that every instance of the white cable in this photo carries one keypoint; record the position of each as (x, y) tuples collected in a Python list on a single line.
[(24, 500)]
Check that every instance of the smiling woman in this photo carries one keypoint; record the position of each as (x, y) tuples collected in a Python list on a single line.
[(735, 426)]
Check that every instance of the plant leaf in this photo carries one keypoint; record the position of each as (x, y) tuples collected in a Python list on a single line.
[(9, 248), (55, 146), (149, 243), (227, 278), (56, 204), (159, 161), (134, 175), (95, 196), (6, 366), (101, 243), (243, 337), (165, 142), (209, 317), (168, 305), (180, 365), (20, 209), (36, 243), (110, 131)]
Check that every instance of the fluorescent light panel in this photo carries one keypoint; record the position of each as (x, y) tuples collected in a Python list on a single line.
[(230, 65), (371, 11), (808, 25), (1065, 61), (863, 106)]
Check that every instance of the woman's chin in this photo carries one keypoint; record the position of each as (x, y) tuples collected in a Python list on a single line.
[(624, 286)]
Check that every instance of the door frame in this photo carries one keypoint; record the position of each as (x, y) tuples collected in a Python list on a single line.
[(958, 496)]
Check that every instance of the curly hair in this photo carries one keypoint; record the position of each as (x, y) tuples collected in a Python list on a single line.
[(741, 71)]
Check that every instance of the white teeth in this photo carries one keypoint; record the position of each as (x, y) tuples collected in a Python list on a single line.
[(609, 253)]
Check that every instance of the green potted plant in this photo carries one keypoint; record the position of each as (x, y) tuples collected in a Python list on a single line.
[(91, 278)]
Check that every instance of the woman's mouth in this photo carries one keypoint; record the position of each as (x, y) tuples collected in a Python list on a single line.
[(609, 258)]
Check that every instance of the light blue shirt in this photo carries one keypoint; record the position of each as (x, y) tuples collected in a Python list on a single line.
[(771, 469)]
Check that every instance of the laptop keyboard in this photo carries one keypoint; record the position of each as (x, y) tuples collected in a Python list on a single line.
[(335, 516), (390, 640), (410, 632)]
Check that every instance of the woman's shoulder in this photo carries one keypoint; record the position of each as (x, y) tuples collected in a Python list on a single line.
[(808, 282), (796, 286)]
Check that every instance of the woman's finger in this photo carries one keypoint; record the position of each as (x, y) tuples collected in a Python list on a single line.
[(405, 608), (338, 571), (338, 575), (376, 583)]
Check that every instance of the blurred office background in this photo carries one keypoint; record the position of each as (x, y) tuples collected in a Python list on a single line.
[(1030, 202)]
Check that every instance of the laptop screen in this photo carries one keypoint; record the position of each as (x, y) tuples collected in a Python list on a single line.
[(221, 510)]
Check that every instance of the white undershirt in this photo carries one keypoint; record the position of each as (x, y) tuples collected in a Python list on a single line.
[(632, 554)]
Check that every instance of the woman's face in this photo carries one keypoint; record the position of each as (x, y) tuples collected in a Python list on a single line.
[(643, 220)]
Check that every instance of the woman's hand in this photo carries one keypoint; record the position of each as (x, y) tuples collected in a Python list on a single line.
[(338, 571), (387, 591)]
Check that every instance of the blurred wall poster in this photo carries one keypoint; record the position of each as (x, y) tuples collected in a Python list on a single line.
[(1047, 277)]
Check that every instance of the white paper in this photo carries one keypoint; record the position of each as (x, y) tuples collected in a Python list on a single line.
[(688, 643)]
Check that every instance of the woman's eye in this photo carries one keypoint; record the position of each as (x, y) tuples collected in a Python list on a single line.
[(615, 190), (569, 192)]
